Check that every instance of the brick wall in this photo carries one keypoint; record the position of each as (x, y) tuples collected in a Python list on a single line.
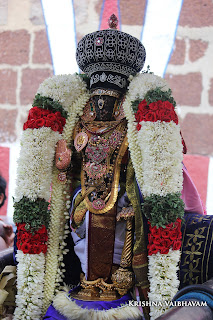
[(190, 75), (24, 62)]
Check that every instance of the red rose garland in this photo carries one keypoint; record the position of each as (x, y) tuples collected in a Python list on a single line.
[(162, 239), (159, 110), (32, 243), (39, 117)]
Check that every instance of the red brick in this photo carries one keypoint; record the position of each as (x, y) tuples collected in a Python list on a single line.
[(8, 125), (31, 79), (14, 47), (179, 51), (196, 13), (197, 49), (132, 12), (41, 52), (197, 130), (187, 88), (8, 80), (211, 93)]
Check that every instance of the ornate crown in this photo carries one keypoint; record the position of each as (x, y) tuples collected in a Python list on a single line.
[(109, 57)]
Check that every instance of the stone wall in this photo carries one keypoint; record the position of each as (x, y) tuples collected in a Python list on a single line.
[(25, 61), (190, 75)]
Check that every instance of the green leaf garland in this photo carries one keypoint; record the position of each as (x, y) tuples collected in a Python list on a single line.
[(49, 104), (162, 210), (158, 94), (33, 213)]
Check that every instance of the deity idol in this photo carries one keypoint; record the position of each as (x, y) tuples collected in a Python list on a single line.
[(116, 180)]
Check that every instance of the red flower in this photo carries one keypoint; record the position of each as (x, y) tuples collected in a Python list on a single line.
[(158, 110), (39, 123), (26, 247), (176, 245), (45, 112), (48, 123), (156, 232), (58, 114), (168, 105), (151, 116), (44, 118), (63, 121), (25, 236), (166, 243), (51, 117), (165, 233), (164, 250), (21, 226), (162, 239), (155, 105), (29, 124), (55, 126), (37, 249), (35, 113), (157, 241), (138, 126), (142, 105), (153, 249)]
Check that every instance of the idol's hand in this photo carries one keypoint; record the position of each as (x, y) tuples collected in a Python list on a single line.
[(63, 155)]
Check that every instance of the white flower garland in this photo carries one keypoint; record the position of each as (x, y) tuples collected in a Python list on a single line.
[(57, 231), (142, 83), (134, 148), (162, 275), (35, 163), (65, 89), (161, 150), (30, 274)]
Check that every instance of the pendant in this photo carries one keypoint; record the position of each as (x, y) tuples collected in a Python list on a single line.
[(80, 141), (62, 177), (95, 171), (100, 103), (98, 204)]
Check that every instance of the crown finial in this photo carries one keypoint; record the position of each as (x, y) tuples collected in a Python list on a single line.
[(113, 21)]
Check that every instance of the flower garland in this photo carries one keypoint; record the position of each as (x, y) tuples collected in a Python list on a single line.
[(42, 130), (30, 275), (150, 131), (160, 178), (57, 233)]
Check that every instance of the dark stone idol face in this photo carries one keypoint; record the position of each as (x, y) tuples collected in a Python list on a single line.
[(104, 107)]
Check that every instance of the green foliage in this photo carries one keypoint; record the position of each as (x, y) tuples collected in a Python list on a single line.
[(162, 210), (33, 213), (157, 94), (135, 104), (49, 104)]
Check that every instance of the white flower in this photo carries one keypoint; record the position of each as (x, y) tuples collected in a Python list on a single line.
[(161, 149), (143, 82), (30, 274), (65, 89), (163, 279), (34, 173)]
